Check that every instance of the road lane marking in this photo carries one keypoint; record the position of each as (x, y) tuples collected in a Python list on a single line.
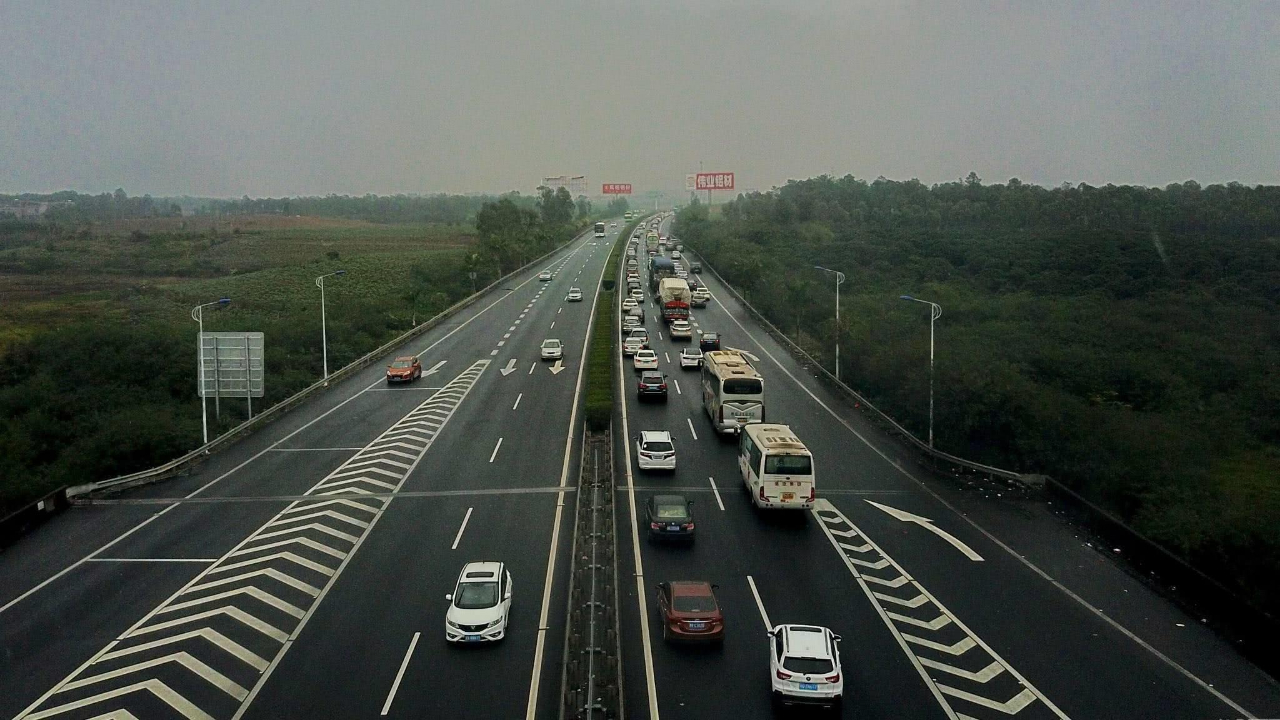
[(553, 324), (511, 329), (500, 344), (532, 366), (716, 491), (386, 706), (927, 524), (532, 708), (759, 604), (668, 357), (319, 449), (1207, 687), (492, 353), (677, 382), (155, 560), (691, 430), (559, 310), (457, 538), (507, 336), (513, 407), (495, 450)]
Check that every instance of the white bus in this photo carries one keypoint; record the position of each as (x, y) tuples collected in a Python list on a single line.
[(599, 229), (732, 391), (777, 469)]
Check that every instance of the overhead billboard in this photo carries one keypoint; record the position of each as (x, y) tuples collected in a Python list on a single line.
[(713, 181), (691, 181), (616, 189), (576, 184)]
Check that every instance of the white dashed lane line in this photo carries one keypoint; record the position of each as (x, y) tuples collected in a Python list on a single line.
[(495, 450), (691, 430), (513, 407)]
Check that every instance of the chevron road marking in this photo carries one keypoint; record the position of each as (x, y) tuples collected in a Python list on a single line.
[(285, 568), (933, 618)]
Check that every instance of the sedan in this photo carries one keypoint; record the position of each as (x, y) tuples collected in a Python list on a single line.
[(575, 295), (689, 611), (644, 359), (637, 295), (680, 330), (653, 384), (670, 516), (552, 349), (404, 369), (690, 357), (628, 303), (544, 276), (633, 345), (709, 341), (480, 604)]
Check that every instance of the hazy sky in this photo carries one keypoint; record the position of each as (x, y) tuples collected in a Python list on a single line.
[(281, 98)]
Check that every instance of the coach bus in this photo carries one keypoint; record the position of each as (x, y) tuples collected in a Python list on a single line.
[(732, 391)]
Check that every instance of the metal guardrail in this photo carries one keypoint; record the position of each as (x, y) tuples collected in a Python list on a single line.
[(877, 413), (179, 464)]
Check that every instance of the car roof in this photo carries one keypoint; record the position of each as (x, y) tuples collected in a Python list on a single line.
[(670, 500), (655, 436), (690, 587), (650, 373), (481, 571), (691, 350), (551, 340), (406, 357), (806, 641), (571, 289)]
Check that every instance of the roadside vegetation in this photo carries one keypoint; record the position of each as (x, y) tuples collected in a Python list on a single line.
[(600, 381), (97, 347), (1122, 340)]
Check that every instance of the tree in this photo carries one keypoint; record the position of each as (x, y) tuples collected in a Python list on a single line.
[(584, 206), (618, 206), (556, 207)]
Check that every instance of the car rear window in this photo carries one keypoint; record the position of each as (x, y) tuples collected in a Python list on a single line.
[(658, 446), (742, 386), (788, 465), (694, 604), (671, 512), (401, 364), (808, 666)]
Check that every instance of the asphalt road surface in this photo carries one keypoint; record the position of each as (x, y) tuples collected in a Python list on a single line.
[(302, 572), (1001, 613)]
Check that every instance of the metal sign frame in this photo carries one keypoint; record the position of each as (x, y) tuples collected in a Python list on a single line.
[(233, 365)]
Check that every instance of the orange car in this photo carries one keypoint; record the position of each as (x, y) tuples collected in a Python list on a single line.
[(689, 611), (406, 368)]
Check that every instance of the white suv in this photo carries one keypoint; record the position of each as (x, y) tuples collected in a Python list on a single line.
[(480, 604), (654, 451), (804, 666)]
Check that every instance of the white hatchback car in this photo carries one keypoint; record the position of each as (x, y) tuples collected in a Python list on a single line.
[(480, 604), (637, 295), (645, 359), (544, 276), (690, 357), (552, 349), (680, 329), (654, 451), (628, 303), (804, 666), (575, 295)]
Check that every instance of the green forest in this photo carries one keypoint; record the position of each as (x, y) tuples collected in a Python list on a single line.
[(1122, 340), (97, 349)]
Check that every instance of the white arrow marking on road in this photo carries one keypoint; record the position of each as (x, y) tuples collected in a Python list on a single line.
[(510, 368), (926, 523), (435, 368), (981, 676), (555, 369), (185, 659), (1019, 701), (155, 687), (748, 355)]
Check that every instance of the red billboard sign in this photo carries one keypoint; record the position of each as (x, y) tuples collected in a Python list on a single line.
[(617, 189), (714, 181)]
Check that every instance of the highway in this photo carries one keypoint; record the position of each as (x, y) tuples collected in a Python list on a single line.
[(302, 572), (998, 611)]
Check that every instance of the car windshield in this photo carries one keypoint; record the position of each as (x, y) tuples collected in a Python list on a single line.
[(694, 604), (401, 364), (788, 465), (691, 352), (657, 446), (476, 595), (651, 378), (742, 386), (551, 344), (808, 666)]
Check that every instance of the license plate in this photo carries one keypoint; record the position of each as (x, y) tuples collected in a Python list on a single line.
[(673, 528), (697, 626), (788, 497), (808, 686), (742, 416), (473, 638)]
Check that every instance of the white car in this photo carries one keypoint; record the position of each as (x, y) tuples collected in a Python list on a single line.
[(575, 295), (552, 349), (637, 295), (691, 357), (633, 345), (680, 329), (480, 604), (804, 666), (644, 359), (628, 303), (613, 224), (675, 254), (700, 297), (544, 276), (682, 274), (654, 451)]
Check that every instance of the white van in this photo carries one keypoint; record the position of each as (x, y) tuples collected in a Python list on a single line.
[(777, 469)]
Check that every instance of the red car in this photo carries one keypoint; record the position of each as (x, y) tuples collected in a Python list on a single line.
[(406, 368), (689, 611)]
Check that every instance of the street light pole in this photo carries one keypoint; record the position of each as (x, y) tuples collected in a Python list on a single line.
[(197, 314), (324, 331), (935, 312), (839, 279)]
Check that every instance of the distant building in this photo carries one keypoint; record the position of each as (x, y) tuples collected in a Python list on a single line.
[(24, 208)]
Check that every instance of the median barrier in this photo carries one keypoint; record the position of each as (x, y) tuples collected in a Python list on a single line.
[(185, 462)]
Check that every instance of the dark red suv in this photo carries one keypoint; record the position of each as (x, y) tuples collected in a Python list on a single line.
[(689, 611)]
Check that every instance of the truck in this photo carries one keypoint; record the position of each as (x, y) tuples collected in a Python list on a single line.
[(651, 242), (660, 268), (674, 297)]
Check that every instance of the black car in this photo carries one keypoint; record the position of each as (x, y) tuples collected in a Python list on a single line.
[(695, 268), (709, 341), (670, 516), (652, 384)]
